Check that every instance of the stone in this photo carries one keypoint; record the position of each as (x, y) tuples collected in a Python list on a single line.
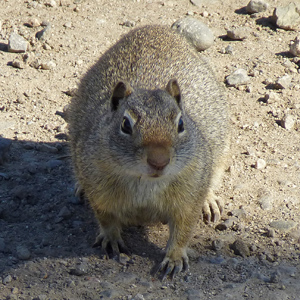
[(256, 6), (271, 232), (197, 2), (238, 77), (266, 202), (295, 46), (240, 248), (19, 64), (283, 225), (80, 270), (288, 122), (44, 33), (195, 31), (217, 244), (33, 22), (17, 44), (64, 213), (49, 65), (287, 17), (23, 253), (7, 279), (283, 82), (260, 164), (239, 33), (4, 149)]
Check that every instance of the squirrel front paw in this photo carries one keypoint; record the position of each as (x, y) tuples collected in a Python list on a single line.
[(212, 208)]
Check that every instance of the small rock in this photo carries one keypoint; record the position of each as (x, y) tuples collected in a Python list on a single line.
[(128, 23), (20, 192), (237, 78), (240, 248), (288, 122), (51, 3), (260, 164), (240, 33), (64, 213), (283, 82), (271, 97), (295, 46), (46, 47), (197, 2), (195, 31), (53, 163), (217, 245), (14, 290), (275, 277), (238, 213), (17, 44), (80, 270), (271, 232), (109, 294), (49, 65), (287, 17), (23, 253), (229, 49), (7, 279), (138, 297), (125, 278), (4, 149), (68, 25), (33, 22), (266, 202), (44, 33), (18, 64), (283, 225), (256, 6), (226, 224)]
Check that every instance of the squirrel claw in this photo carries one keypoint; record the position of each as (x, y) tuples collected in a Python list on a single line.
[(212, 210), (171, 268)]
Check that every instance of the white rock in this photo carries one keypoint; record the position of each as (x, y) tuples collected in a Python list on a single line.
[(283, 82), (260, 164), (237, 78), (17, 44), (295, 46), (287, 17), (256, 6), (288, 122), (49, 65)]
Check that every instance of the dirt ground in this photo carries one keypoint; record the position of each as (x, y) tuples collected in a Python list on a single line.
[(46, 233)]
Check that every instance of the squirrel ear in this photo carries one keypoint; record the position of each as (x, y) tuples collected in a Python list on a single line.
[(174, 90), (121, 90)]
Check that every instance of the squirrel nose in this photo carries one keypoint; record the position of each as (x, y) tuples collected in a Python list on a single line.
[(158, 163)]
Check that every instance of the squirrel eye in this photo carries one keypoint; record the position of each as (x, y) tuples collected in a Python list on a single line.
[(180, 125), (126, 126)]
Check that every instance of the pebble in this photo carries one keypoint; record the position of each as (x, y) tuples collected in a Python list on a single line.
[(17, 44), (287, 17), (51, 3), (49, 65), (195, 31), (4, 149), (240, 248), (256, 6), (68, 25), (266, 202), (128, 23), (288, 122), (217, 244), (260, 164), (138, 297), (109, 294), (226, 224), (20, 192), (64, 213), (238, 77), (295, 46), (33, 22), (80, 270), (52, 164), (283, 225), (197, 2), (271, 97), (229, 49), (126, 278), (283, 82), (44, 33), (23, 253), (240, 33), (271, 232), (19, 64), (14, 290), (7, 279)]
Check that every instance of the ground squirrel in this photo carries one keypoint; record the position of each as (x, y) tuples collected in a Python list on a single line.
[(148, 131)]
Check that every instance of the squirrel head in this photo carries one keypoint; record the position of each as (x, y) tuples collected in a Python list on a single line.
[(151, 126)]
